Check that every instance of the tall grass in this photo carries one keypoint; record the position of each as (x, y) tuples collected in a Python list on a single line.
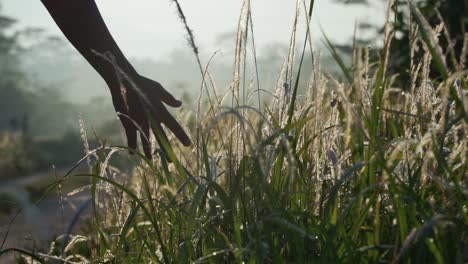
[(354, 171)]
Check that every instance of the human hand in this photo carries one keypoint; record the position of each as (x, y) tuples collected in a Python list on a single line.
[(135, 94)]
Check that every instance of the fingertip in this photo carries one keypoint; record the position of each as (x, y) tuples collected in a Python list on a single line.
[(177, 103), (148, 155), (131, 148), (173, 102), (186, 142), (131, 139), (147, 150)]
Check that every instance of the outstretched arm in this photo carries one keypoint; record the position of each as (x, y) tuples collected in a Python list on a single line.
[(82, 24)]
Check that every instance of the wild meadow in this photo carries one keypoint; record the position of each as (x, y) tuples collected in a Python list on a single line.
[(357, 167)]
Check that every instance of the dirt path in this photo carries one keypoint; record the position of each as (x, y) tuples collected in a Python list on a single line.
[(37, 225)]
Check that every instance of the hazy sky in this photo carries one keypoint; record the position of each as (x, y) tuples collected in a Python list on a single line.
[(151, 28)]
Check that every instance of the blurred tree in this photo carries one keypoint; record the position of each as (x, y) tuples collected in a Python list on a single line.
[(11, 78), (24, 100), (454, 14), (8, 47), (38, 126)]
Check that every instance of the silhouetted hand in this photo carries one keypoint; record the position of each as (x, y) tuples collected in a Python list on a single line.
[(82, 24), (130, 103)]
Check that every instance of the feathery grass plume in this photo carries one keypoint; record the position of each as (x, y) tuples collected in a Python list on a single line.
[(59, 193), (190, 36), (362, 171), (203, 72), (84, 138), (464, 52)]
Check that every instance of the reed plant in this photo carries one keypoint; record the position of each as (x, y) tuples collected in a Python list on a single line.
[(331, 170)]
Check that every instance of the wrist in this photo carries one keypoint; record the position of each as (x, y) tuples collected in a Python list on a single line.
[(111, 69)]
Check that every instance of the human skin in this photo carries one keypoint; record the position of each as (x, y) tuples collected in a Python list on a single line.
[(82, 24)]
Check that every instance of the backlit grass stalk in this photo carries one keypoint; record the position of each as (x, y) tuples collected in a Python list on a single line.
[(358, 171)]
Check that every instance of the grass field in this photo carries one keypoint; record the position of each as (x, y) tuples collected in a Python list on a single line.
[(335, 169)]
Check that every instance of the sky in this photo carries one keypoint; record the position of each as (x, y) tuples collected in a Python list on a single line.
[(151, 28)]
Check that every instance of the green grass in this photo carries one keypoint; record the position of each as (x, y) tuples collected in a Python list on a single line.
[(348, 172)]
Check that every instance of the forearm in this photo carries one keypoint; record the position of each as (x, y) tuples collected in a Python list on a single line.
[(83, 26)]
